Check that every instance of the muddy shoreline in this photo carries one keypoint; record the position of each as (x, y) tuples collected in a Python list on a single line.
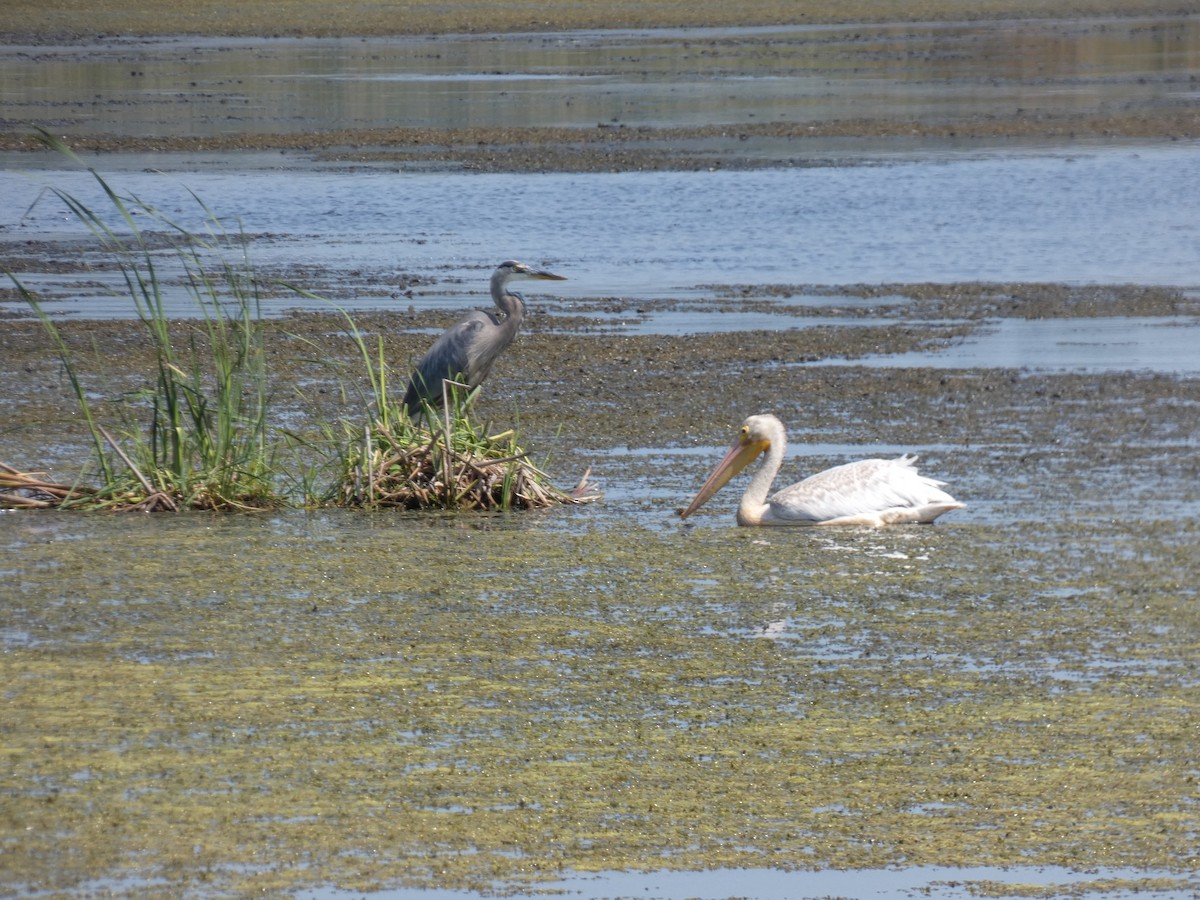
[(1145, 103), (560, 380), (619, 149)]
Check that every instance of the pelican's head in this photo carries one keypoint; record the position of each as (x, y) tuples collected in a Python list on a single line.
[(753, 439), (510, 269)]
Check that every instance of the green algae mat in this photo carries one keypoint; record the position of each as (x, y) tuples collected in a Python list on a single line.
[(268, 702)]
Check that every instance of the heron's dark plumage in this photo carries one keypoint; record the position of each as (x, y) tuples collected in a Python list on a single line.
[(468, 349)]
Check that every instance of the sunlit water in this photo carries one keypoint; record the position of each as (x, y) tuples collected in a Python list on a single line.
[(1104, 216), (1112, 344), (768, 884)]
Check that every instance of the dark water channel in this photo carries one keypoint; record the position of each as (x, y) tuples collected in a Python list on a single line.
[(327, 703)]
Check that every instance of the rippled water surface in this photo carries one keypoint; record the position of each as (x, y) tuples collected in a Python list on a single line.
[(1106, 216)]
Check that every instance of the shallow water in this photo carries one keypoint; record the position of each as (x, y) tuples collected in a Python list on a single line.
[(1113, 344), (662, 78), (393, 697), (361, 237), (766, 884)]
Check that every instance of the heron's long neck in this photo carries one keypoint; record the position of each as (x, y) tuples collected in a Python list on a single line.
[(510, 303), (754, 501), (513, 308)]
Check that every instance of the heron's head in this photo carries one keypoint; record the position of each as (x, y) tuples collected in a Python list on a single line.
[(511, 269)]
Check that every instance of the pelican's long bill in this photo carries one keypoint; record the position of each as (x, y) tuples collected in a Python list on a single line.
[(740, 455)]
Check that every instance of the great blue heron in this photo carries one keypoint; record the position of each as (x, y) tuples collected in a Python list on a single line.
[(870, 492), (467, 349)]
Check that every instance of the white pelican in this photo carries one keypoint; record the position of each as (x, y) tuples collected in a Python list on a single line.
[(870, 492)]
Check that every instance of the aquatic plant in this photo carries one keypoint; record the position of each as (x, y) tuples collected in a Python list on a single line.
[(207, 443)]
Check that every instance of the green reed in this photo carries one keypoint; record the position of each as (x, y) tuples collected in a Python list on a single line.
[(207, 443)]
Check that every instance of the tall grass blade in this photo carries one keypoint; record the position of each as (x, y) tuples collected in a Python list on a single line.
[(208, 440)]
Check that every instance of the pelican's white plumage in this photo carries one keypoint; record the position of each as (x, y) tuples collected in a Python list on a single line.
[(872, 492)]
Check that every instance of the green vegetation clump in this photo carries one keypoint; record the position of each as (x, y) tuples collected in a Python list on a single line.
[(207, 444), (461, 466)]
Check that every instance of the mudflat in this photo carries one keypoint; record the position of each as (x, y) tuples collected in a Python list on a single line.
[(77, 19), (1054, 54)]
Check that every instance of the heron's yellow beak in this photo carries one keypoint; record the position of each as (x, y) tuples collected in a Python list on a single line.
[(740, 455), (546, 276)]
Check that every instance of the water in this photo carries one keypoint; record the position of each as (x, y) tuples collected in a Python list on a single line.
[(891, 210), (372, 693), (1111, 344), (767, 884), (663, 77), (1105, 216)]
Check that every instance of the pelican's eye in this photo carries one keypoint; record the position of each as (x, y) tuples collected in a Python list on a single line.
[(744, 432)]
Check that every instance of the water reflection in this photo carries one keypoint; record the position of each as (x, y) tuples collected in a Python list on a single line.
[(662, 78), (1115, 344), (936, 882)]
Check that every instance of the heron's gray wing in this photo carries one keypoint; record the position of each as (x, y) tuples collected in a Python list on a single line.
[(450, 357)]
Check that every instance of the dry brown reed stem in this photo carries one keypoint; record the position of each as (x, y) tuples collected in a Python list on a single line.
[(155, 500), (31, 490)]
